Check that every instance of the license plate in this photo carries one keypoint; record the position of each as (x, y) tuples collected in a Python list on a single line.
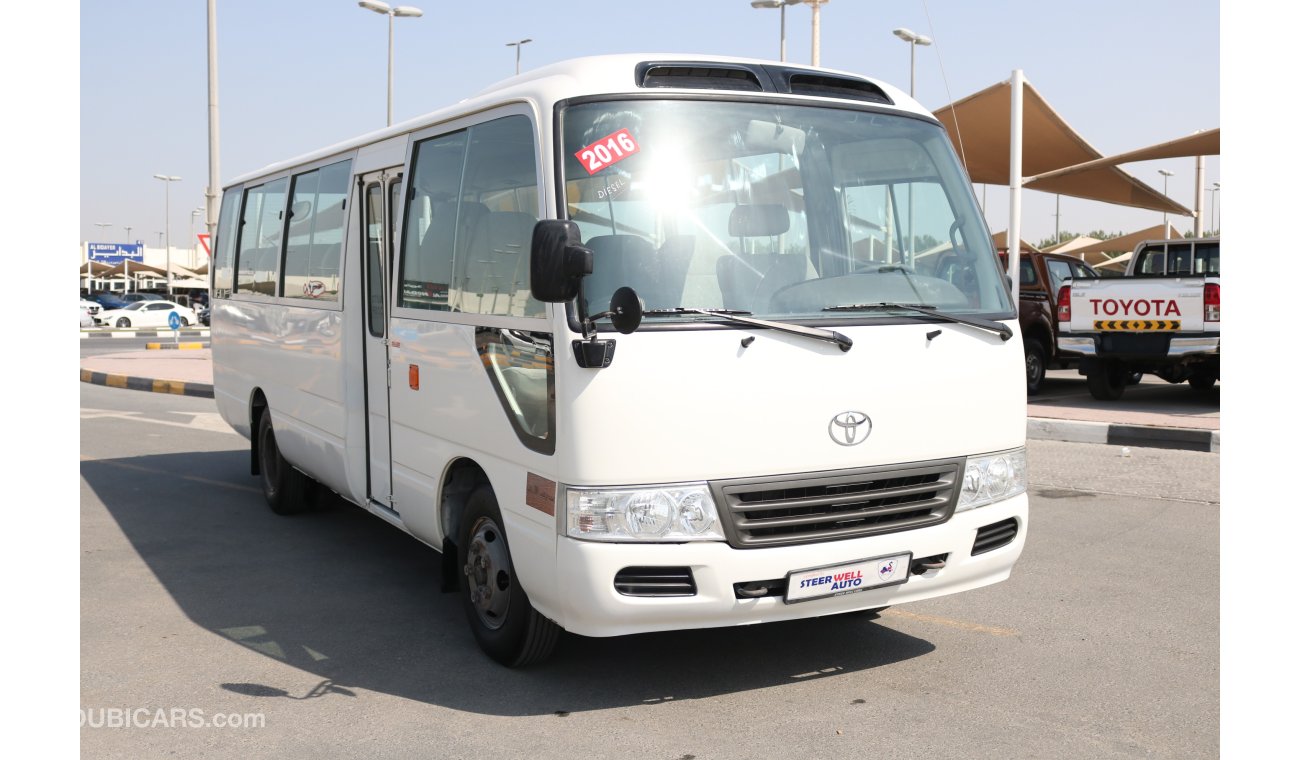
[(847, 578)]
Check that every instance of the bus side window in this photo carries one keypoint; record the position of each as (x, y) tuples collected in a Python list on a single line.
[(258, 265), (223, 248), (429, 233), (492, 265)]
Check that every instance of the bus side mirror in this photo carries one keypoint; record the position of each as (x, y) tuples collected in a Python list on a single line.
[(559, 261)]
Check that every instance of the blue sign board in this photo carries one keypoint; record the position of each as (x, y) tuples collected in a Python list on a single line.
[(116, 253), (174, 321)]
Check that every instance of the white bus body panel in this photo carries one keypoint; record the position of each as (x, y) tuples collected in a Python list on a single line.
[(593, 608), (694, 405), (307, 389)]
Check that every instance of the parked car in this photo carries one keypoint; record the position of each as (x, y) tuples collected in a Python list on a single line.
[(1161, 317), (86, 319), (205, 315), (147, 314), (111, 301), (133, 297), (1041, 278), (91, 307)]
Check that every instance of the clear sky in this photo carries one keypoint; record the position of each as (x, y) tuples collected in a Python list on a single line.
[(296, 75)]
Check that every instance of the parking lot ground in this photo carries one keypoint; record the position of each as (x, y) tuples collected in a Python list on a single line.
[(329, 631)]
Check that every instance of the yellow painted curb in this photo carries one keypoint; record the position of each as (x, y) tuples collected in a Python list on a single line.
[(159, 346)]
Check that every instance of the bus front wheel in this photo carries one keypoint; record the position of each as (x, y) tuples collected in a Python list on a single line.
[(285, 488), (504, 622)]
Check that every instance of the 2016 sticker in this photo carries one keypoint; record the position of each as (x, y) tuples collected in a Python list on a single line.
[(607, 151)]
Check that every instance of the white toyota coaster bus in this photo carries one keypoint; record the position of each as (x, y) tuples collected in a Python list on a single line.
[(639, 343)]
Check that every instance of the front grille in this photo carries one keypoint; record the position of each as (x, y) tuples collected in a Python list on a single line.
[(655, 581), (994, 536), (801, 509)]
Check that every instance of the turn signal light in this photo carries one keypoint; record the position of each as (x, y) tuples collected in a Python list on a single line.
[(1211, 302), (1063, 304)]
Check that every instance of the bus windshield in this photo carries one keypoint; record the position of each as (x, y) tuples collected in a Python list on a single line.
[(775, 210)]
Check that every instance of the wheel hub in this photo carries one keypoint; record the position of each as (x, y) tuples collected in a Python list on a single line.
[(488, 574)]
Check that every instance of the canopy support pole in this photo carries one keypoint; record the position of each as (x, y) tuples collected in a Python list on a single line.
[(1198, 219), (1017, 145)]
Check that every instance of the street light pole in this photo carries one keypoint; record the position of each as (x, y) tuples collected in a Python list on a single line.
[(1214, 219), (194, 244), (816, 30), (401, 11), (167, 223), (912, 39), (1166, 175), (518, 46), (781, 4)]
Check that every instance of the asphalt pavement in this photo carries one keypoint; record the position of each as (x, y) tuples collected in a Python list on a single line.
[(1152, 413)]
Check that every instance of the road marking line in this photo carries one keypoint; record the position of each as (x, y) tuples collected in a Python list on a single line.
[(207, 421), (156, 471), (959, 624)]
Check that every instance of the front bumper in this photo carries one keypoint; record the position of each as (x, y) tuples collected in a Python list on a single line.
[(592, 607)]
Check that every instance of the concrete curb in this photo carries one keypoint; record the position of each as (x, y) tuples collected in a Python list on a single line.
[(175, 387), (1115, 434), (163, 333), (181, 346)]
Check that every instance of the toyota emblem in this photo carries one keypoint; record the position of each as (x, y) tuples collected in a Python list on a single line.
[(850, 428)]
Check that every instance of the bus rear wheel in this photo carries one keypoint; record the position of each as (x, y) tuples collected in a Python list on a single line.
[(286, 489), (504, 622)]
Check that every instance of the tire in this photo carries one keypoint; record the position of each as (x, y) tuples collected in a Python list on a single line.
[(1035, 366), (123, 322), (504, 622), (185, 322), (1107, 380), (1134, 378), (286, 489), (1202, 381)]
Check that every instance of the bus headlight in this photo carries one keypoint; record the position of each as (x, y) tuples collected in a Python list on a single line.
[(993, 478), (666, 514)]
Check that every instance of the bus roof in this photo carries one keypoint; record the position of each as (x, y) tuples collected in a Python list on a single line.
[(624, 73)]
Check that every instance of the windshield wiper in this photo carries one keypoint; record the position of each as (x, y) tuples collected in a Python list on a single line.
[(1002, 330), (816, 333)]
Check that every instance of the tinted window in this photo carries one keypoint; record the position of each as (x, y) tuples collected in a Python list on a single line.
[(259, 239), (315, 242), (1059, 271), (1028, 275), (498, 210), (1207, 258), (430, 222), (469, 221), (223, 248)]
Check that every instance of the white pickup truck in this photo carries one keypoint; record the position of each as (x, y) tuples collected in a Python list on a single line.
[(1161, 317)]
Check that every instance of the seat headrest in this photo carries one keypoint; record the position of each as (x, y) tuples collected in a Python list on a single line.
[(758, 220), (618, 245)]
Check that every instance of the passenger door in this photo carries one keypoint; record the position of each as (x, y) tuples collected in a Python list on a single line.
[(378, 191)]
